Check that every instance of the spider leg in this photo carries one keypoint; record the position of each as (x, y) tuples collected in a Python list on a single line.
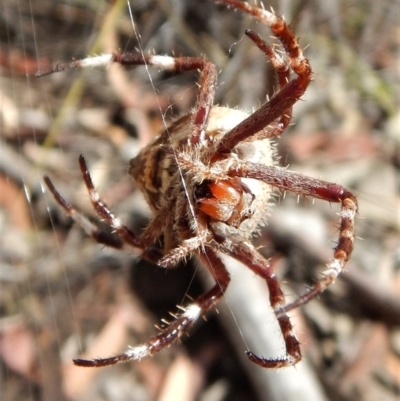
[(207, 82), (102, 209), (246, 254), (125, 236), (162, 222), (282, 102), (90, 228), (282, 69), (185, 248), (299, 184), (182, 323)]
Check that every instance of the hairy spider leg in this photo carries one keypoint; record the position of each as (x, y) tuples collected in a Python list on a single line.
[(282, 69), (246, 254), (91, 229), (125, 235), (301, 185), (282, 101), (207, 82), (173, 330)]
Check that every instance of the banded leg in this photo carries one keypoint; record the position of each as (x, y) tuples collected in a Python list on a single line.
[(287, 96), (282, 69), (207, 82), (91, 229), (182, 323), (102, 209), (125, 235), (301, 185), (246, 254)]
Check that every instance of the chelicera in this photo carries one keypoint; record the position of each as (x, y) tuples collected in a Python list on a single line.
[(208, 179)]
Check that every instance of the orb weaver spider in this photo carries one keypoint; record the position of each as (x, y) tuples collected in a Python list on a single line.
[(208, 178)]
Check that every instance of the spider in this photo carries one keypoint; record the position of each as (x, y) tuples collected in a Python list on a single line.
[(208, 179)]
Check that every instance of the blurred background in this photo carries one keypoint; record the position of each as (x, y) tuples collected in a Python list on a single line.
[(63, 296)]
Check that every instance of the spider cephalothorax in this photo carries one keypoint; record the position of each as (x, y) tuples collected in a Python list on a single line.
[(206, 202), (208, 179)]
